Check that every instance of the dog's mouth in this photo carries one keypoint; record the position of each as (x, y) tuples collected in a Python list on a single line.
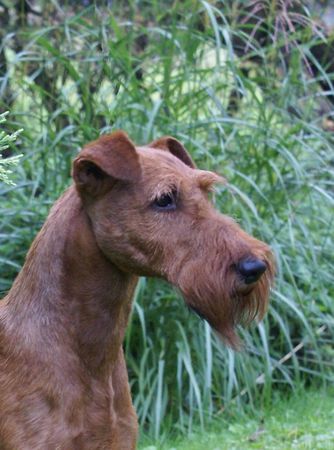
[(227, 300), (244, 304), (243, 290)]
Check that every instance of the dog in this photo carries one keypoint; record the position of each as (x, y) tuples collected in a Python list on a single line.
[(132, 211)]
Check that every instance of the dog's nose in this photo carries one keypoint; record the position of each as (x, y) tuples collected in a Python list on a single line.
[(251, 269)]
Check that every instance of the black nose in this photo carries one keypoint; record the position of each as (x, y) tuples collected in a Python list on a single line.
[(251, 269)]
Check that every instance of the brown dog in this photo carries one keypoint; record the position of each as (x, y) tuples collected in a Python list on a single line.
[(132, 211)]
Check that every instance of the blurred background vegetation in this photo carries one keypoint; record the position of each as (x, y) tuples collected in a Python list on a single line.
[(247, 86)]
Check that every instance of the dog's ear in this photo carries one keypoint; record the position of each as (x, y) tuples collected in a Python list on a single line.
[(100, 163), (175, 147)]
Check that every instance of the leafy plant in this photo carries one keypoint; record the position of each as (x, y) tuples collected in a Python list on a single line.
[(5, 141)]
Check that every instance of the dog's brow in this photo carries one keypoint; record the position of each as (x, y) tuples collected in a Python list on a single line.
[(165, 186)]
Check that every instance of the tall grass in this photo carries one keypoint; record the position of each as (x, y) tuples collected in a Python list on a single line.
[(154, 72)]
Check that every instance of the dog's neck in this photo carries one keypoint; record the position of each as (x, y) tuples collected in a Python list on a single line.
[(68, 293)]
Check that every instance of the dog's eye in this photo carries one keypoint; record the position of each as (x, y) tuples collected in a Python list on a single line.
[(166, 202)]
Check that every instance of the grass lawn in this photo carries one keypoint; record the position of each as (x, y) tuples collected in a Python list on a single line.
[(305, 421)]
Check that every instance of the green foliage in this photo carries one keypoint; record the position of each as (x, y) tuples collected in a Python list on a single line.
[(303, 422), (256, 119), (5, 141)]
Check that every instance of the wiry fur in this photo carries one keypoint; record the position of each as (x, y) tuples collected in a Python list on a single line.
[(63, 380)]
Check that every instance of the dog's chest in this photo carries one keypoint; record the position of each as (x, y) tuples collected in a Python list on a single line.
[(59, 420)]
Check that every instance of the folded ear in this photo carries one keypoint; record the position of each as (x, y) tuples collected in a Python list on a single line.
[(100, 163), (175, 147)]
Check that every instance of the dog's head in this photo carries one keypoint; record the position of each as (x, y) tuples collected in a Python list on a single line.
[(151, 215)]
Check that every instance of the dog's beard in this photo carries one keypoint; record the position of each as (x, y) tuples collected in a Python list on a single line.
[(227, 305)]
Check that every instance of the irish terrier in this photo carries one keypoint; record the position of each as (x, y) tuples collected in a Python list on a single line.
[(132, 211)]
